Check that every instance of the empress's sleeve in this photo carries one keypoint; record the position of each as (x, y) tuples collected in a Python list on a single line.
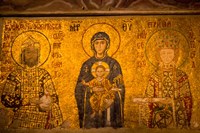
[(185, 94), (11, 96), (46, 83), (151, 86), (149, 93)]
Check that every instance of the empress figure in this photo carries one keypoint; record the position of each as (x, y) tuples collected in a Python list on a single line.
[(171, 83)]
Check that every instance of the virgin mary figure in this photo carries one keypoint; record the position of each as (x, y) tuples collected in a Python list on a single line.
[(113, 116)]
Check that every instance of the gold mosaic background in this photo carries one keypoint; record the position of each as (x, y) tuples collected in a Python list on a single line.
[(67, 55)]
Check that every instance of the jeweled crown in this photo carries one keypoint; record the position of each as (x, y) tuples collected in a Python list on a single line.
[(30, 42), (167, 39)]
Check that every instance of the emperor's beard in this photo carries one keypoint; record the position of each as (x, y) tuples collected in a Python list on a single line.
[(31, 62)]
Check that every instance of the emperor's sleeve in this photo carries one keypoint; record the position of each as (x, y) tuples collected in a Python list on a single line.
[(46, 83), (11, 95)]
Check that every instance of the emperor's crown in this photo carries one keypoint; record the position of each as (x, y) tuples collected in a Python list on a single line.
[(30, 42)]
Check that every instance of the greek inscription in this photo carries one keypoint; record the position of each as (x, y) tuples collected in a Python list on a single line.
[(60, 35), (193, 64), (140, 45), (126, 26), (57, 64), (56, 45), (192, 44), (142, 35), (192, 54), (159, 24), (74, 27), (141, 63), (56, 55), (140, 55), (57, 74), (14, 25)]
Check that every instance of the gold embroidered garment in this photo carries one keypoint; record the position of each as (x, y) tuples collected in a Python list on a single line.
[(22, 92)]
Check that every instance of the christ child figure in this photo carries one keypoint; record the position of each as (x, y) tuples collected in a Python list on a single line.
[(102, 92)]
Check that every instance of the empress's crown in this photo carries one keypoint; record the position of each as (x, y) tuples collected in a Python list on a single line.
[(167, 39)]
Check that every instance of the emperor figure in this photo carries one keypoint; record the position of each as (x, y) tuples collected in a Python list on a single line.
[(30, 92)]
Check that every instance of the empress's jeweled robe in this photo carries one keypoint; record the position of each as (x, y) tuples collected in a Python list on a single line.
[(173, 84), (23, 85)]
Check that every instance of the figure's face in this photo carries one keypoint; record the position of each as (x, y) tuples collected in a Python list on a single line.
[(100, 72), (31, 56), (100, 46), (167, 55)]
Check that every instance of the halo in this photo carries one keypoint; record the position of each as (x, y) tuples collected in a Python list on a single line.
[(93, 70), (151, 47), (114, 35), (45, 46)]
